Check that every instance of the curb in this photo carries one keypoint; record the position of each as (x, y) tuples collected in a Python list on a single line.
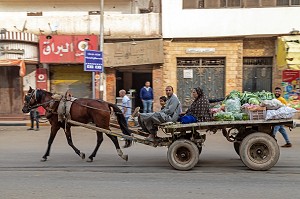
[(21, 124)]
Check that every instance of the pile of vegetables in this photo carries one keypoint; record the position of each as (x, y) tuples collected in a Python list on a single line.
[(234, 103)]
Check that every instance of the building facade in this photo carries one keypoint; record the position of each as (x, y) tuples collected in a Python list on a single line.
[(220, 45), (132, 31), (224, 45)]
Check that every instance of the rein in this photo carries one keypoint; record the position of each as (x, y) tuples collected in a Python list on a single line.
[(91, 107), (41, 104)]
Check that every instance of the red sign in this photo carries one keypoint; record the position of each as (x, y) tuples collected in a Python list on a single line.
[(290, 75), (66, 48)]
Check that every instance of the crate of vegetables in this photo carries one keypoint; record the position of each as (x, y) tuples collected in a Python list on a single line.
[(256, 113)]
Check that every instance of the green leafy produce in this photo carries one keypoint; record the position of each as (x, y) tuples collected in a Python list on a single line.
[(245, 117), (224, 116), (254, 101)]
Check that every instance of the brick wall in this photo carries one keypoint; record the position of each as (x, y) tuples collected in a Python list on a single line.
[(110, 85), (232, 50), (158, 89)]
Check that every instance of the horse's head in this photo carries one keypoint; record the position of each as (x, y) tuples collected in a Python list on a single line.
[(30, 100)]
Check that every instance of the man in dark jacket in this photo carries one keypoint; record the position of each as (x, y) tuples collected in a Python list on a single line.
[(146, 95)]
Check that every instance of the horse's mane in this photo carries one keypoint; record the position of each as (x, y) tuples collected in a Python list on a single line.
[(41, 93)]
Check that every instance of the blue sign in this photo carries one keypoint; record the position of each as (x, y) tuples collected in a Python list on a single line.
[(93, 61)]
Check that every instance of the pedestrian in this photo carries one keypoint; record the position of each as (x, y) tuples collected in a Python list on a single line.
[(146, 95), (34, 116), (149, 121), (126, 104), (280, 128), (162, 102)]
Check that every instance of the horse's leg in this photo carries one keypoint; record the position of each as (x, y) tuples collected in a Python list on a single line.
[(114, 139), (54, 128), (70, 142), (99, 141)]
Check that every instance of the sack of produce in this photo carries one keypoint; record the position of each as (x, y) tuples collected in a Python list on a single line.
[(233, 105), (281, 113), (273, 104)]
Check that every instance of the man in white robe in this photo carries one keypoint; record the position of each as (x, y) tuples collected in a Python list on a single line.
[(150, 121)]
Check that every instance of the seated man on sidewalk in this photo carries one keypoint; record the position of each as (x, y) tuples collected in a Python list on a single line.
[(149, 121)]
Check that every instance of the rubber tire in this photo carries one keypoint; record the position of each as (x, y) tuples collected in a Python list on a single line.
[(236, 146), (187, 148), (256, 143)]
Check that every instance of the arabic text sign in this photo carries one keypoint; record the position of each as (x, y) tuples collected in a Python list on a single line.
[(93, 60), (66, 48)]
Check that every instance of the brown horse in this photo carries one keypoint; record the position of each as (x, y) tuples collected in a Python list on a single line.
[(82, 110)]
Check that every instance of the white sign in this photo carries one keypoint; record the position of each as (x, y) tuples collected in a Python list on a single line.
[(188, 73), (200, 50)]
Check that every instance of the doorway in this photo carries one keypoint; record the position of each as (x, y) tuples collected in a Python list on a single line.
[(134, 81)]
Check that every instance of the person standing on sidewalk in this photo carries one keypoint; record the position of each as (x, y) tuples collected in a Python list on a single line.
[(126, 104), (34, 116), (280, 128), (146, 95)]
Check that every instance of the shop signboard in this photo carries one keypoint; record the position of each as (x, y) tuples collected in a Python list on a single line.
[(93, 61), (66, 48)]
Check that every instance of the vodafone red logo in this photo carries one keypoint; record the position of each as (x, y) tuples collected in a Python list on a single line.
[(41, 77)]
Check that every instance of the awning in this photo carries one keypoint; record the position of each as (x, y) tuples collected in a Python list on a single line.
[(11, 62), (288, 52)]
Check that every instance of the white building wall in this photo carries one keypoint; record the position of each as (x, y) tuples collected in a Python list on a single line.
[(189, 23), (115, 24)]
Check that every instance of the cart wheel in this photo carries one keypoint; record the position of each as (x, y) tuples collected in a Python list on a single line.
[(183, 155), (259, 151), (236, 146)]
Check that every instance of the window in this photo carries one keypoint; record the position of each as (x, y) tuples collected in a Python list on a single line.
[(190, 4), (194, 4), (295, 2), (230, 3), (288, 2)]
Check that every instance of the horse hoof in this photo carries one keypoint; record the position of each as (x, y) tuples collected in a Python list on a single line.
[(43, 159), (125, 157), (128, 144), (90, 160), (82, 155)]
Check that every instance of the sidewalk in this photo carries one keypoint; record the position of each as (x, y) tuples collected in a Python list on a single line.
[(22, 123), (44, 123)]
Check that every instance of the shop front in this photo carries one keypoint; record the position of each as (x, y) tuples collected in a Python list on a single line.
[(288, 61), (128, 65), (63, 57), (18, 62)]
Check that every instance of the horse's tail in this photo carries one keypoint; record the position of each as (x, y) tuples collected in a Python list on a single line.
[(121, 119)]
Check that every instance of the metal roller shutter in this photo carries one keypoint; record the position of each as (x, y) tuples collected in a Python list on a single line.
[(71, 77)]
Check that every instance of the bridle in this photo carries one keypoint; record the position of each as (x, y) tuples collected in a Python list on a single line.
[(31, 96)]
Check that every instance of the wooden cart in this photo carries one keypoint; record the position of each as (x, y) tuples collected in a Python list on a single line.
[(252, 140)]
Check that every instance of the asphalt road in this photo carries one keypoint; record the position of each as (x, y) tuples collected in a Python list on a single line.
[(147, 174)]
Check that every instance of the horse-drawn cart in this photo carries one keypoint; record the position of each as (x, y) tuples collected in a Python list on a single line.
[(252, 140)]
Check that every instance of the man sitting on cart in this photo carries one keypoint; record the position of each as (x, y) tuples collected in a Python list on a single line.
[(150, 121)]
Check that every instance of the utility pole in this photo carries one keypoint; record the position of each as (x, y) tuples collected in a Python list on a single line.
[(101, 41)]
